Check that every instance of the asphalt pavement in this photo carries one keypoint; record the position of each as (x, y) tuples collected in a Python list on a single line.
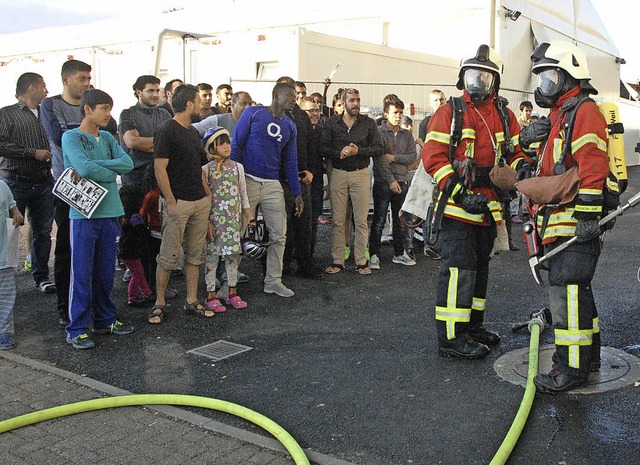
[(349, 366)]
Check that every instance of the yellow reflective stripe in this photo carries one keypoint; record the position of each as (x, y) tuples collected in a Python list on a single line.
[(470, 150), (495, 208), (452, 290), (457, 188), (515, 162), (557, 149), (443, 172), (442, 137), (597, 192), (499, 136), (460, 315), (574, 356), (560, 223), (589, 138), (535, 145), (573, 311), (515, 140), (588, 208), (468, 133), (453, 210), (613, 186), (478, 304), (596, 325), (583, 337), (560, 231)]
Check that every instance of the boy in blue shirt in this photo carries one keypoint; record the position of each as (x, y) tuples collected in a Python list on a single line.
[(95, 155)]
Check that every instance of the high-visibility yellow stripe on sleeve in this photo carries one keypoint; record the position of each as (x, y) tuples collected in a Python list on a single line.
[(443, 172), (478, 304), (442, 137), (589, 138)]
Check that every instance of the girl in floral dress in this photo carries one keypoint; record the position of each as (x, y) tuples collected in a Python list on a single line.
[(229, 202)]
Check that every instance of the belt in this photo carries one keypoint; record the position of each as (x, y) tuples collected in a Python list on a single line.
[(349, 169)]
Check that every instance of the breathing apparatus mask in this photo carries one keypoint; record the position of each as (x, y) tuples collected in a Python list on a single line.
[(478, 83)]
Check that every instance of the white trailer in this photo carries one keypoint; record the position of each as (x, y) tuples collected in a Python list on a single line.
[(407, 50)]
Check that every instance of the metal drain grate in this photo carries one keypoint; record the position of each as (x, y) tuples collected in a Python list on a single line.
[(219, 350)]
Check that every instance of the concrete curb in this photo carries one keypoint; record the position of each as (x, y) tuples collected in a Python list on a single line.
[(173, 412)]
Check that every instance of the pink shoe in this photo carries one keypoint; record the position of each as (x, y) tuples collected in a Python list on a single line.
[(215, 306), (235, 301)]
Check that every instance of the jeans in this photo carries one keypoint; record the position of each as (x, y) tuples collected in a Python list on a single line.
[(382, 198), (37, 198)]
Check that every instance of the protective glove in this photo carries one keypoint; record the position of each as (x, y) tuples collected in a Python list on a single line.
[(587, 230), (475, 203), (525, 171), (535, 132)]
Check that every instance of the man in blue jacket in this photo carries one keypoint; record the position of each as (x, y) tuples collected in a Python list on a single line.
[(264, 139)]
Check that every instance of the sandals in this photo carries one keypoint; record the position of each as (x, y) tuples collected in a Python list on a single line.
[(156, 312), (363, 269), (197, 309), (335, 268)]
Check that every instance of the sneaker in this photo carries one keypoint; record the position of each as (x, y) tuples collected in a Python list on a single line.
[(215, 305), (141, 301), (120, 266), (279, 289), (63, 322), (118, 328), (374, 262), (516, 219), (386, 239), (235, 301), (126, 277), (82, 341), (411, 254), (403, 260), (6, 341), (432, 253), (46, 287), (323, 220)]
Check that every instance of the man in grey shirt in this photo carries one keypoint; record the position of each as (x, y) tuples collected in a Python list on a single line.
[(138, 124), (239, 101)]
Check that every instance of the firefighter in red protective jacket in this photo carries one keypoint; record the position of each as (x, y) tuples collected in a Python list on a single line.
[(469, 206), (563, 80)]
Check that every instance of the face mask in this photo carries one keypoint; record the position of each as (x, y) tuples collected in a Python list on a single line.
[(478, 84)]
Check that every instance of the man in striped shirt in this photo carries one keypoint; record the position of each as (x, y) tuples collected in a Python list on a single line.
[(25, 165)]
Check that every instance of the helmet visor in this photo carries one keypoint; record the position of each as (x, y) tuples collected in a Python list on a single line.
[(478, 81), (550, 81)]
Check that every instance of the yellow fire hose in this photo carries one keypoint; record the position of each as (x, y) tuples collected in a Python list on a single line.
[(510, 440), (294, 449)]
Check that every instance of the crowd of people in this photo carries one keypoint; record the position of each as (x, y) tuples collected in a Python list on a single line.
[(195, 177)]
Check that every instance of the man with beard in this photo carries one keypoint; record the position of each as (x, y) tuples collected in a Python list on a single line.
[(138, 124), (178, 160), (350, 140)]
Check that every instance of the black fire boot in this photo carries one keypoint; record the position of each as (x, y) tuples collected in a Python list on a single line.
[(554, 382), (484, 336), (463, 347)]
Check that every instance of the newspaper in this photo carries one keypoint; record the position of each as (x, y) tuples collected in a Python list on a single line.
[(84, 195)]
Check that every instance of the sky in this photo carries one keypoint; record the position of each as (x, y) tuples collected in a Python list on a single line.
[(620, 17)]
